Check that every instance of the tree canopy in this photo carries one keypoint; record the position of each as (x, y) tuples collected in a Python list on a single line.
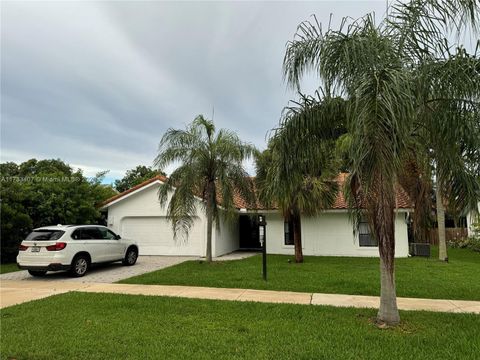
[(307, 185), (210, 168), (136, 176), (408, 96), (46, 192)]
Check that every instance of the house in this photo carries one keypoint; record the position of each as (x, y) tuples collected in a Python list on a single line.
[(473, 217), (136, 213)]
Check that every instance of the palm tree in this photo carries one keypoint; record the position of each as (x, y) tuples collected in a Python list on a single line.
[(416, 179), (449, 124), (448, 153), (210, 168), (306, 186), (374, 68)]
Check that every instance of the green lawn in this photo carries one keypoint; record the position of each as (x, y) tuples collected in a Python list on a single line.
[(416, 277), (111, 326), (6, 268)]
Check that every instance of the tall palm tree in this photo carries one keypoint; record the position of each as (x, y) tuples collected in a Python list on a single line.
[(449, 123), (416, 179), (307, 185), (210, 168), (448, 126), (373, 67)]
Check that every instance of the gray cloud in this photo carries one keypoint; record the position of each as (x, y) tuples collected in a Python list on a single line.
[(97, 83)]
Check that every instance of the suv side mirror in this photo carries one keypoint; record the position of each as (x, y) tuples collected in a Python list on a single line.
[(117, 237)]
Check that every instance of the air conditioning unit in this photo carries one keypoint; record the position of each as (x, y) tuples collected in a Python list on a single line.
[(420, 249)]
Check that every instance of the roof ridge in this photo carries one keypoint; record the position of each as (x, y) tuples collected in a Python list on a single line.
[(161, 178), (402, 200)]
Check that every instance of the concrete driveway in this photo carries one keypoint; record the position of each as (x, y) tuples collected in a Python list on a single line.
[(18, 287), (107, 273)]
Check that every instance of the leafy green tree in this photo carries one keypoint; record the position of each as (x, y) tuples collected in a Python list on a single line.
[(210, 168), (34, 167), (377, 69), (307, 185), (136, 176), (15, 222), (47, 192)]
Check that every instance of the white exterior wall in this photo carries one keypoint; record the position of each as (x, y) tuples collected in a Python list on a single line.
[(472, 218), (144, 204), (226, 237), (330, 234)]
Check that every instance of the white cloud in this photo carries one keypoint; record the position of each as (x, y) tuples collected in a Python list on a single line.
[(97, 83)]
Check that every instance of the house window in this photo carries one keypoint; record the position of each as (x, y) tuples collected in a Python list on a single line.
[(288, 233), (365, 237)]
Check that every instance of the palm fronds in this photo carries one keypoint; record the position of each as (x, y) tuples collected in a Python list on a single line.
[(209, 169), (407, 90)]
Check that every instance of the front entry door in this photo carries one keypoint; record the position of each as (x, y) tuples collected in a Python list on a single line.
[(249, 233)]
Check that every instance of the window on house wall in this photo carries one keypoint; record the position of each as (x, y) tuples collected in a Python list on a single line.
[(365, 237), (288, 231)]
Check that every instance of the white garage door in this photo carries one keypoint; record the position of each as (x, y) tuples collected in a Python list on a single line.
[(154, 236)]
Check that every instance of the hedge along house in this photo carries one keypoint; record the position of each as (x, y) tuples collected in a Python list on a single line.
[(137, 214)]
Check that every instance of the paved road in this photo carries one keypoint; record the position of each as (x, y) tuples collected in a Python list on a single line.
[(108, 273)]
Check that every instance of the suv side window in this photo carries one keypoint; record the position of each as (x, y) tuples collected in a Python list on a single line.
[(77, 234), (107, 234), (91, 234)]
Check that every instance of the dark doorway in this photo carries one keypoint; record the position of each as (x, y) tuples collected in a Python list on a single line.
[(249, 233)]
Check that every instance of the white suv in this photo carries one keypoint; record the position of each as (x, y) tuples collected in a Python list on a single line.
[(73, 248)]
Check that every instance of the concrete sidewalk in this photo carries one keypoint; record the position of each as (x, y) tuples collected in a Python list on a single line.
[(16, 292)]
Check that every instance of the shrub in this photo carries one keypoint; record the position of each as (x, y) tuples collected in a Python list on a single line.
[(459, 243), (472, 243), (476, 229)]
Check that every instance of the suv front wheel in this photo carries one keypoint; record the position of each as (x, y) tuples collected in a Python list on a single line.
[(130, 257), (80, 265)]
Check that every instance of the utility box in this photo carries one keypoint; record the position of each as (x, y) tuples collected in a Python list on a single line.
[(420, 249)]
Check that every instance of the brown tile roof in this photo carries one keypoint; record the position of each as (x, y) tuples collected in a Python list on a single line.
[(402, 198)]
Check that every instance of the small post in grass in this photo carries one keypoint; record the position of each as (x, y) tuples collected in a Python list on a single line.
[(262, 236)]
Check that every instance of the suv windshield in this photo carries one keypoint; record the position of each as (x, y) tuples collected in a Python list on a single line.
[(45, 235)]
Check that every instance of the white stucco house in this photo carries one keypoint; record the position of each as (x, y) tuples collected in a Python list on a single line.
[(137, 214), (473, 217)]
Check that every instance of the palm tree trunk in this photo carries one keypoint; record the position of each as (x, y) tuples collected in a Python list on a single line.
[(210, 204), (442, 243), (297, 238), (388, 311), (383, 206)]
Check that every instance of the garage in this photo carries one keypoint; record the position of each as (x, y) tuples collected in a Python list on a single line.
[(138, 215), (154, 236)]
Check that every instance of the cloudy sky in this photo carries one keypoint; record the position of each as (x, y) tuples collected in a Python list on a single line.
[(96, 84)]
